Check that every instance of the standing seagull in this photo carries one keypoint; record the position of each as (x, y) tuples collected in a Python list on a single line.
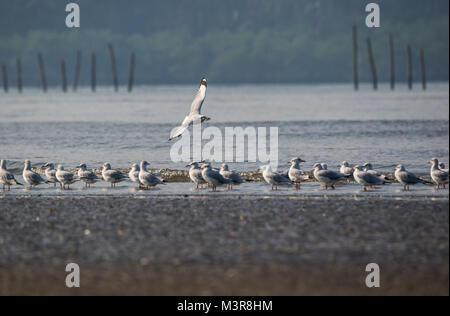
[(32, 178), (6, 177), (194, 116), (369, 168), (134, 174), (365, 178), (295, 173), (112, 176), (213, 177), (195, 174), (233, 176), (328, 177), (65, 177), (440, 177), (406, 178), (346, 169), (148, 179), (50, 173), (87, 176), (274, 178)]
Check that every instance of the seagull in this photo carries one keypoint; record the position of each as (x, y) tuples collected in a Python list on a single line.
[(65, 177), (406, 178), (195, 174), (295, 174), (50, 173), (439, 176), (324, 166), (233, 176), (213, 177), (6, 177), (366, 179), (134, 174), (194, 116), (148, 179), (274, 178), (87, 176), (32, 178), (346, 169), (112, 176), (367, 167), (328, 177)]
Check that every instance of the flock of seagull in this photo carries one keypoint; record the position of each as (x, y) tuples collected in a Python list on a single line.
[(202, 174)]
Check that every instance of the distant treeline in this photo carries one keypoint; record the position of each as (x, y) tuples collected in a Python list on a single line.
[(228, 41)]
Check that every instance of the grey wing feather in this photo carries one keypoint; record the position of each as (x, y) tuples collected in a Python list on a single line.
[(196, 105), (333, 175), (281, 178)]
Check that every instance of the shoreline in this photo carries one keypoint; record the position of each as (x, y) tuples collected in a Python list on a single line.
[(223, 246)]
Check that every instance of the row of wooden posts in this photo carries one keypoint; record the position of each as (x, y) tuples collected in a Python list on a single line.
[(76, 75), (373, 69)]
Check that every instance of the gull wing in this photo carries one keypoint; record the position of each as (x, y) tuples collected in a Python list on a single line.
[(197, 103), (180, 130)]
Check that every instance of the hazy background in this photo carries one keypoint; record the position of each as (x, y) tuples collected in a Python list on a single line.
[(245, 41)]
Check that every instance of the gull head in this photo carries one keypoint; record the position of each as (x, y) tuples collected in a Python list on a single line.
[(49, 166), (317, 167), (203, 82), (224, 167), (441, 165), (296, 160), (344, 164), (368, 166), (144, 164), (193, 164), (135, 167), (206, 166), (358, 167), (82, 166), (434, 162), (106, 166), (324, 166), (400, 168), (27, 164)]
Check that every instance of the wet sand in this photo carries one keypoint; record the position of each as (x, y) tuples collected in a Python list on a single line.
[(223, 245)]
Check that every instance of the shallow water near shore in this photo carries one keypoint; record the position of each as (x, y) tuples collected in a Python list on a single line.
[(326, 123), (246, 190)]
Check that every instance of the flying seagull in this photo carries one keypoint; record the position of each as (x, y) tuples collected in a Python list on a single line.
[(194, 116)]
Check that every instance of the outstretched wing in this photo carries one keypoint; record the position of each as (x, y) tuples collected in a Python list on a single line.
[(180, 130), (196, 105)]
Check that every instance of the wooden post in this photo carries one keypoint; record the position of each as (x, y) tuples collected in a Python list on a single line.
[(93, 74), (392, 62), (372, 64), (5, 78), (63, 76), (355, 58), (77, 72), (423, 70), (113, 67), (409, 67), (131, 77), (19, 75), (42, 70)]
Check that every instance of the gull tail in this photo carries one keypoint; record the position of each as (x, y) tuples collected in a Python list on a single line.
[(17, 182)]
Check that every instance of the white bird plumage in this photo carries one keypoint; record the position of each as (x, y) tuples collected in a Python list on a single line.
[(439, 176), (194, 116), (295, 173), (148, 179), (6, 177)]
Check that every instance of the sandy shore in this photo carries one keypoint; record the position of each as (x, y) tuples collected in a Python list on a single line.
[(223, 245)]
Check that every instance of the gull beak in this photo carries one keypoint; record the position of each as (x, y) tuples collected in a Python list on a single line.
[(301, 160)]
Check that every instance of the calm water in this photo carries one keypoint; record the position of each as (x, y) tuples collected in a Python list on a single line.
[(327, 123)]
